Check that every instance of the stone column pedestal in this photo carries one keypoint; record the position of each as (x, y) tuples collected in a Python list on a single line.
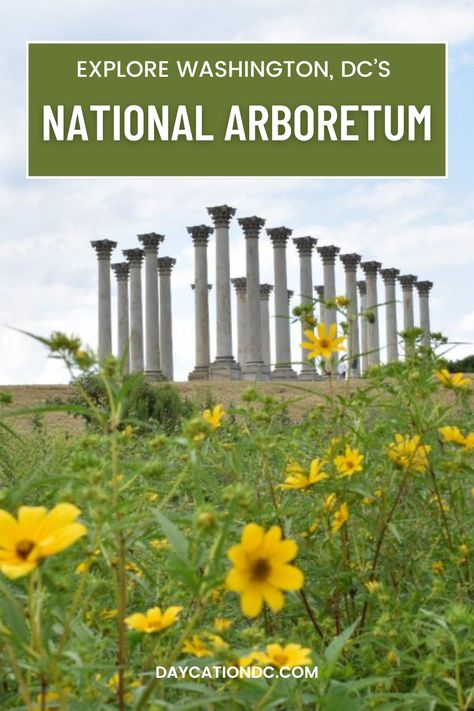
[(350, 262), (373, 341), (135, 258), (104, 248), (364, 341), (265, 291), (122, 271), (279, 237), (389, 277), (165, 267), (240, 285), (151, 243), (424, 288), (200, 236), (255, 368), (224, 367), (305, 246)]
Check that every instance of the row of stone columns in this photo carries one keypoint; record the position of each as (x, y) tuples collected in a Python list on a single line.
[(146, 349)]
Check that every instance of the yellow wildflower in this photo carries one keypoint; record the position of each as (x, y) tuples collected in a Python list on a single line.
[(324, 343), (292, 655), (221, 624), (262, 570), (299, 479), (36, 534), (329, 502), (392, 658), (196, 646), (340, 518), (127, 431), (464, 550), (469, 441), (438, 567), (159, 543), (153, 620), (134, 568), (342, 301), (452, 434), (83, 567), (372, 586), (368, 500), (108, 614), (408, 453), (456, 381), (214, 417), (349, 462), (151, 495)]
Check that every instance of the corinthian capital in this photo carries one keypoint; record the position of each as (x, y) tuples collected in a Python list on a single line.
[(221, 215), (151, 241), (407, 281), (121, 270), (279, 236), (251, 226), (265, 291), (362, 286), (200, 234), (389, 275), (240, 285), (424, 287), (328, 253), (371, 268), (305, 245), (166, 264), (350, 261), (104, 247), (134, 256)]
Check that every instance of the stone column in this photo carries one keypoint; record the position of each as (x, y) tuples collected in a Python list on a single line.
[(328, 256), (364, 343), (389, 277), (122, 271), (224, 367), (255, 368), (305, 246), (265, 291), (200, 236), (104, 248), (279, 237), (320, 295), (240, 285), (350, 262), (408, 281), (135, 258), (151, 243), (373, 343), (165, 267), (424, 288)]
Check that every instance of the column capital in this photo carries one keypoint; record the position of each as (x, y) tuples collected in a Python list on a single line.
[(305, 245), (103, 247), (350, 261), (200, 234), (371, 268), (389, 275), (291, 293), (121, 270), (319, 289), (193, 287), (166, 264), (265, 291), (424, 287), (134, 256), (251, 226), (221, 215), (240, 285), (151, 241), (279, 236), (362, 286), (328, 253), (407, 281)]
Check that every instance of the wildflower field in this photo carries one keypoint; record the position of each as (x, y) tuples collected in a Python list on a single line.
[(239, 537)]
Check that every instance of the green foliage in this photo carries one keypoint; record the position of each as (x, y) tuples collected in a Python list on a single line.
[(465, 365)]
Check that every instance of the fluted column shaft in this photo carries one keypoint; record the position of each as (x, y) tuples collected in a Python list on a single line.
[(279, 237), (373, 342), (240, 285), (122, 272), (364, 341), (424, 288), (350, 262), (200, 236), (151, 244), (305, 246), (135, 259), (328, 255), (265, 290), (407, 282), (389, 277), (320, 295), (165, 267), (104, 248)]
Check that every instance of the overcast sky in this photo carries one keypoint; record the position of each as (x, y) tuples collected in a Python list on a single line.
[(48, 269)]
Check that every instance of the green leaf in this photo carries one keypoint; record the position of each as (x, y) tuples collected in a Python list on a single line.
[(175, 537), (334, 648), (12, 615)]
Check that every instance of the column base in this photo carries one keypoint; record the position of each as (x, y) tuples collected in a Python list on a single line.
[(200, 372), (256, 371), (224, 369), (154, 375), (283, 373), (309, 375)]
